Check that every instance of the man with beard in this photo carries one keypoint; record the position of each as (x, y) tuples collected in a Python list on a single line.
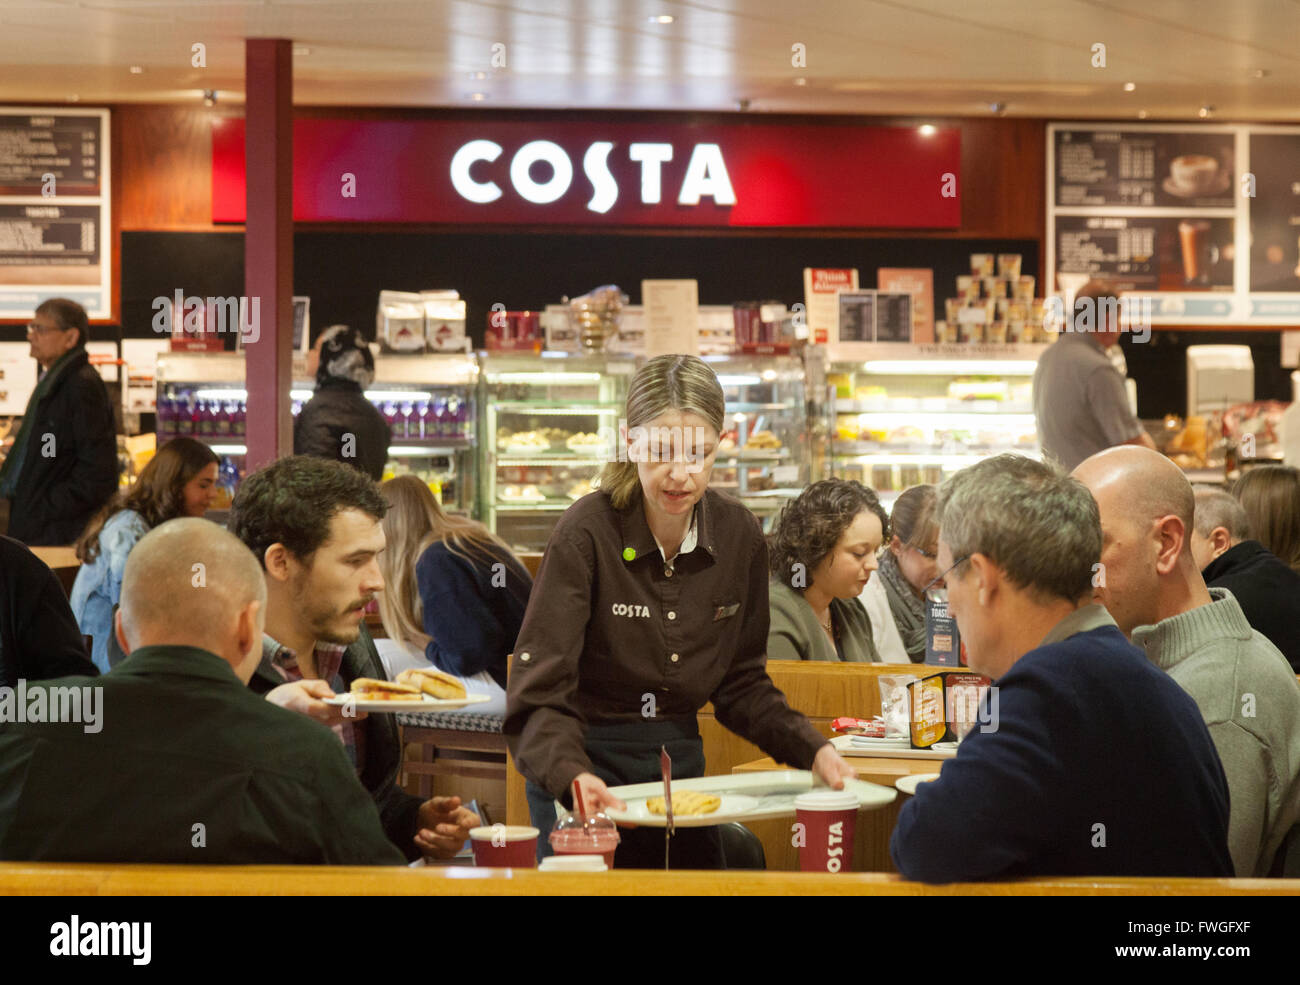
[(315, 527)]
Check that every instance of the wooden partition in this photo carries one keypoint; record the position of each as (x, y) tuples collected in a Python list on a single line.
[(60, 879)]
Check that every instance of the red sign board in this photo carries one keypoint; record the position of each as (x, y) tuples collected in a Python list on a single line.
[(617, 174)]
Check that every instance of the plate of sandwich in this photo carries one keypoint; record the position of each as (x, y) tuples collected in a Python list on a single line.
[(416, 689)]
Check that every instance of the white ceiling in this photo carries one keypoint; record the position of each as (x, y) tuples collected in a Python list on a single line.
[(941, 57)]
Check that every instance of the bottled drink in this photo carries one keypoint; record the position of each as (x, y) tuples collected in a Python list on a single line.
[(409, 424), (220, 419), (205, 426), (440, 428), (426, 420), (185, 418), (238, 420)]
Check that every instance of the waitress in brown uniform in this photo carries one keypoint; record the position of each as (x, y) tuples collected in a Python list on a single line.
[(651, 600)]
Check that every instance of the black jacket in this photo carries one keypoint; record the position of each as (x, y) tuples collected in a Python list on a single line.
[(1267, 589), (59, 492), (39, 636), (178, 762), (398, 810), (339, 408)]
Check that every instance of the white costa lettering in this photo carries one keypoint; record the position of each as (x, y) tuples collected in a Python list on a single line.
[(706, 173), (633, 611)]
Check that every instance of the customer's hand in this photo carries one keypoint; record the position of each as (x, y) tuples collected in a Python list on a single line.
[(305, 696), (444, 826), (831, 768), (595, 795)]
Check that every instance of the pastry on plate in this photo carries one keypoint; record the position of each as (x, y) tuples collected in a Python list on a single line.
[(432, 682), (686, 802), (371, 689)]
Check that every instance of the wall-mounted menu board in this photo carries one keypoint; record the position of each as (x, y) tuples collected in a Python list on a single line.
[(1204, 219), (55, 223)]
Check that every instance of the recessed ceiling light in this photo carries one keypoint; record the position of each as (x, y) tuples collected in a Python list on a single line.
[(301, 49), (137, 70), (801, 81), (661, 18), (478, 97), (1260, 73), (1130, 86), (926, 130), (74, 99), (1205, 111), (1142, 114), (478, 76), (997, 108)]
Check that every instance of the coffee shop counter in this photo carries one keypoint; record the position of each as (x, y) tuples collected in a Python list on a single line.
[(69, 879), (874, 827)]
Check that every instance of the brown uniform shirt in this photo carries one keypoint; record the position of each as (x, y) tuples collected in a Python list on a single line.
[(613, 636)]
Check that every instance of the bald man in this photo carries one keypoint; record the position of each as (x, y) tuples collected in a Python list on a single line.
[(1152, 586), (1266, 588), (170, 757)]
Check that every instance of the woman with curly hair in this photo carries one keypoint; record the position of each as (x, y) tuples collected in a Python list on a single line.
[(822, 555), (180, 480)]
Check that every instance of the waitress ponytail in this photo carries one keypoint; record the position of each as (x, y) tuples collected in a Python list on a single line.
[(664, 384)]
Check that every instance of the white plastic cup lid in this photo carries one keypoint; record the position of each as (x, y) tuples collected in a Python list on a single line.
[(573, 863), (827, 800), (503, 832)]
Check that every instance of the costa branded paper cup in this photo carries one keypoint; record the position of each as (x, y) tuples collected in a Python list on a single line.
[(505, 846), (828, 818)]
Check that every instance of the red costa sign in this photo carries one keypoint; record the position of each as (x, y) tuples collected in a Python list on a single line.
[(618, 174)]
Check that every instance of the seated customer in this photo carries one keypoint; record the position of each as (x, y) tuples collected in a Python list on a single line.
[(822, 554), (1037, 788), (170, 757), (180, 480), (1270, 495), (894, 597), (452, 588), (315, 527), (1265, 588), (39, 637), (1241, 683)]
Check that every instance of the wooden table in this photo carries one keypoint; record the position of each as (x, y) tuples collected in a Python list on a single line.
[(871, 841)]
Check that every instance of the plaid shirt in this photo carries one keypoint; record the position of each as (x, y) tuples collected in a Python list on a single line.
[(329, 658)]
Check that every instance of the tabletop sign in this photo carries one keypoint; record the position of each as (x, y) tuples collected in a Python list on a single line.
[(55, 222), (942, 641), (919, 283)]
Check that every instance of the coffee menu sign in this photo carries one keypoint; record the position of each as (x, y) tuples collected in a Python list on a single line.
[(616, 173), (1203, 219), (55, 228)]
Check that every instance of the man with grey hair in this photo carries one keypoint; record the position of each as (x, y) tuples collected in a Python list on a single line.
[(1243, 686), (1036, 791), (1080, 404), (1266, 588), (183, 763)]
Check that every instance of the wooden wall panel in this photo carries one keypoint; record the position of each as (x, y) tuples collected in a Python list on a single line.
[(166, 167)]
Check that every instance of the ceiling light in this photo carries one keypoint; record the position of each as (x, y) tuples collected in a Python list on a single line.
[(1205, 111), (301, 49), (478, 97), (1260, 73), (926, 130), (661, 18), (801, 81), (478, 76), (1142, 114), (209, 97), (997, 108), (1130, 86), (137, 70), (74, 99)]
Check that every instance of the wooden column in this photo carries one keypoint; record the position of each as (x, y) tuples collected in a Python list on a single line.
[(268, 246)]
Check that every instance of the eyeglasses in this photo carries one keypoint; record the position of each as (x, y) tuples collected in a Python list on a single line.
[(36, 328), (928, 555), (937, 590)]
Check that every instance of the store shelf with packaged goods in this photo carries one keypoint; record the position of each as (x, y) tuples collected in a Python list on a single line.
[(903, 415), (428, 401)]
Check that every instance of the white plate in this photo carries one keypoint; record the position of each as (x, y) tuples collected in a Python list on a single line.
[(1220, 185), (424, 703), (892, 749), (908, 784), (745, 797)]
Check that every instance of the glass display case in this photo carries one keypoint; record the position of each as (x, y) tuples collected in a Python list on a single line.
[(429, 401), (549, 424), (764, 458), (908, 414)]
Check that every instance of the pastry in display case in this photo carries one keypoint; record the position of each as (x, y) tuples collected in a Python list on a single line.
[(429, 402), (549, 425), (915, 417), (763, 456)]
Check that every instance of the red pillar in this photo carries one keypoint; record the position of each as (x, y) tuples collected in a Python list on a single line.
[(268, 245)]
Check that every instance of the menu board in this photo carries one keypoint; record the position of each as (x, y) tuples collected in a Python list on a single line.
[(874, 316), (55, 223), (1203, 219)]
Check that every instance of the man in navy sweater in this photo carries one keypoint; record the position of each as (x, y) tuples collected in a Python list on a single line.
[(1095, 762)]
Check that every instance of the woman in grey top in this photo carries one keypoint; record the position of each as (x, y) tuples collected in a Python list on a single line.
[(821, 556)]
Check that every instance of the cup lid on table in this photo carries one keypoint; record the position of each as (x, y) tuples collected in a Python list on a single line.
[(503, 832), (573, 863), (826, 800)]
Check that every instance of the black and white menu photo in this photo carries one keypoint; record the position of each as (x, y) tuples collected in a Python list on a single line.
[(55, 223)]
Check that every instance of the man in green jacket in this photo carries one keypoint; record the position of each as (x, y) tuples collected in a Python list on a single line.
[(170, 758)]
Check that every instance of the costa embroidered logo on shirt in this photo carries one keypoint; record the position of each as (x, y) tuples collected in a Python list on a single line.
[(633, 611)]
